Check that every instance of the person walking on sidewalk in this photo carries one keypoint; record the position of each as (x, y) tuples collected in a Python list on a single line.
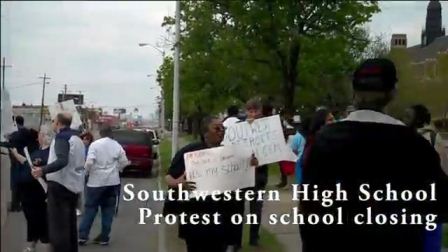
[(87, 139), (374, 149), (298, 147), (33, 196), (255, 109), (200, 237), (105, 160), (287, 167), (321, 118), (65, 175), (418, 117), (18, 139)]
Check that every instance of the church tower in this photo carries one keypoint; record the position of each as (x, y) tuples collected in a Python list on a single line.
[(433, 27)]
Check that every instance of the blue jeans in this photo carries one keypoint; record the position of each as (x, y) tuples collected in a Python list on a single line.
[(298, 170), (433, 239), (104, 197)]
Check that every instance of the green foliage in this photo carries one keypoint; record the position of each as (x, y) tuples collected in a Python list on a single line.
[(165, 155), (297, 52), (268, 241), (445, 236)]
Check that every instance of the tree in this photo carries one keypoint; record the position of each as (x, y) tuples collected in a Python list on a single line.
[(378, 47), (232, 50)]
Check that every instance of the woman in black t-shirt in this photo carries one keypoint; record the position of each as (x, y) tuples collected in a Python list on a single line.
[(33, 196), (200, 238)]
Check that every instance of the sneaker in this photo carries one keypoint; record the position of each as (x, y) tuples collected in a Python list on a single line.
[(82, 242), (99, 241), (31, 247), (104, 243)]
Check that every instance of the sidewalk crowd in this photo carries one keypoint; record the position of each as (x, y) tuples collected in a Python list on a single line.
[(72, 165), (364, 146)]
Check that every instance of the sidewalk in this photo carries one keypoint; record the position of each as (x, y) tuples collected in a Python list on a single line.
[(287, 235), (5, 194)]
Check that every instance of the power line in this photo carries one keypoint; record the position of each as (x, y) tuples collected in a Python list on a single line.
[(25, 85)]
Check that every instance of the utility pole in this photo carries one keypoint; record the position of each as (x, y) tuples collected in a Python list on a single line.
[(3, 72), (65, 91), (45, 78), (162, 112), (162, 100), (175, 134)]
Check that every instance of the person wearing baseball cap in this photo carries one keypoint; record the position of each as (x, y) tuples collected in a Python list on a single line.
[(370, 147)]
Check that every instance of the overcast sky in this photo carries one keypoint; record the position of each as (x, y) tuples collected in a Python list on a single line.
[(93, 47)]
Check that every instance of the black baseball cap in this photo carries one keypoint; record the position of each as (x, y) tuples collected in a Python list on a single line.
[(375, 75)]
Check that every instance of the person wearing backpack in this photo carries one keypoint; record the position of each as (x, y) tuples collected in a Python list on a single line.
[(418, 117)]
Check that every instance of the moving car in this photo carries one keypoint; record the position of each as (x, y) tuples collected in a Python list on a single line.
[(138, 146)]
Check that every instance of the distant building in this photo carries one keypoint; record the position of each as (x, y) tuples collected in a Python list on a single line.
[(433, 43), (433, 28), (399, 41)]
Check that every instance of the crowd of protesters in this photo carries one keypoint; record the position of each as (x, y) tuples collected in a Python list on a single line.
[(365, 146), (70, 165)]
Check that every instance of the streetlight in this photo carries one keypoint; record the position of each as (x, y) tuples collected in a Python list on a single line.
[(148, 44), (162, 110), (162, 107)]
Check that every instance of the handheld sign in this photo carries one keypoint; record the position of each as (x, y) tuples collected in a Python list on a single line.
[(28, 158), (220, 169), (66, 106), (264, 137)]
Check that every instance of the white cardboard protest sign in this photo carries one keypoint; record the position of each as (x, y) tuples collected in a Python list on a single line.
[(221, 168), (30, 163), (264, 137), (7, 125), (66, 106)]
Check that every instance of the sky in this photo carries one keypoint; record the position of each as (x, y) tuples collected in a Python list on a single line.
[(93, 47)]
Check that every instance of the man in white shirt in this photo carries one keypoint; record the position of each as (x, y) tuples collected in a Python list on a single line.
[(105, 160)]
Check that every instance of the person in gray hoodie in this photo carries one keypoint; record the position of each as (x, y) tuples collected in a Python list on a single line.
[(65, 176)]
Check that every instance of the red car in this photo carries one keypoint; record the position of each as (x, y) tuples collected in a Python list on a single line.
[(138, 146)]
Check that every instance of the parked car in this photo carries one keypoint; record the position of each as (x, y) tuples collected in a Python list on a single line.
[(138, 146), (155, 139)]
